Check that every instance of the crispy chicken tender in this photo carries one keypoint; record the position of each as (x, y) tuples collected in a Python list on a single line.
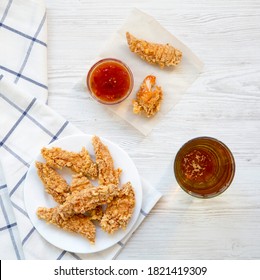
[(77, 223), (95, 214), (81, 202), (119, 210), (53, 182), (161, 54), (85, 200), (106, 172), (79, 182), (77, 162), (148, 98)]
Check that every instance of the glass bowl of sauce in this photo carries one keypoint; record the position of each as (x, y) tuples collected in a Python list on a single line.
[(110, 81), (204, 167)]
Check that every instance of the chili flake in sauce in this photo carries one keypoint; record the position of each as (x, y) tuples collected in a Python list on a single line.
[(110, 81)]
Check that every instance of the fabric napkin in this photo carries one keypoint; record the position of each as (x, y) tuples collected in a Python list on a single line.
[(23, 61), (11, 247), (23, 45), (27, 125)]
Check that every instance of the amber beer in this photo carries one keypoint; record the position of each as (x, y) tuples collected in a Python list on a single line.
[(204, 167)]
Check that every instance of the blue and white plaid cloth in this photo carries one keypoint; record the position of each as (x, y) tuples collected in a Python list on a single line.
[(23, 45), (23, 61), (27, 124)]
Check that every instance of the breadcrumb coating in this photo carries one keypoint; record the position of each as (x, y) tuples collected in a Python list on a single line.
[(53, 182), (119, 210), (106, 172), (148, 98), (77, 162), (86, 199), (161, 54), (79, 182), (95, 214), (77, 223)]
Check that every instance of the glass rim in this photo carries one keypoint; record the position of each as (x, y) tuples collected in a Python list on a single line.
[(230, 177)]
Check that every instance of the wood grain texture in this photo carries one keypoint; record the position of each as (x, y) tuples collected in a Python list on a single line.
[(224, 102)]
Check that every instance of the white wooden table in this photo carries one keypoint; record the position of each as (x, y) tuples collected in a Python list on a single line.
[(224, 103)]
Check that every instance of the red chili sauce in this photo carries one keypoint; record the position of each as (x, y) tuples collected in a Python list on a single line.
[(198, 165), (110, 82)]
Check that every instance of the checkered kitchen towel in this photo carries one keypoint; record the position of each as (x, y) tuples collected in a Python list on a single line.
[(23, 47), (23, 61), (26, 125)]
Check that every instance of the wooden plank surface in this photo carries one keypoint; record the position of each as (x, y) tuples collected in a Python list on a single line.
[(224, 102)]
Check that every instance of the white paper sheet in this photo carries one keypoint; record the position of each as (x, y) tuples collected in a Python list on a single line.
[(174, 81)]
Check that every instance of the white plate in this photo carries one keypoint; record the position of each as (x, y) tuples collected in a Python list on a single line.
[(35, 196)]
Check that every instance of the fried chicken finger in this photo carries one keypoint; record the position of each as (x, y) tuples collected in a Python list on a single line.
[(106, 172), (148, 98), (161, 54), (79, 182), (53, 182), (119, 210), (77, 223), (86, 200), (77, 162)]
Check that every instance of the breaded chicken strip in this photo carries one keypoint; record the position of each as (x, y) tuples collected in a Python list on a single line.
[(161, 54), (86, 200), (106, 172), (79, 182), (77, 223), (77, 162), (148, 98), (95, 214), (119, 210), (53, 182)]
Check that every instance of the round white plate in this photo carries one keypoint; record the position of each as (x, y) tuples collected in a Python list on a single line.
[(35, 196)]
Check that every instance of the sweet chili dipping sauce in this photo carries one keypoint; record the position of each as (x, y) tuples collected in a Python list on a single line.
[(204, 167), (110, 81)]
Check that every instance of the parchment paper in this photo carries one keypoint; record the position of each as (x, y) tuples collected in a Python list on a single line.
[(174, 81)]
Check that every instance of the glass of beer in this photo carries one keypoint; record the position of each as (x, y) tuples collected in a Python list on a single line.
[(204, 167)]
